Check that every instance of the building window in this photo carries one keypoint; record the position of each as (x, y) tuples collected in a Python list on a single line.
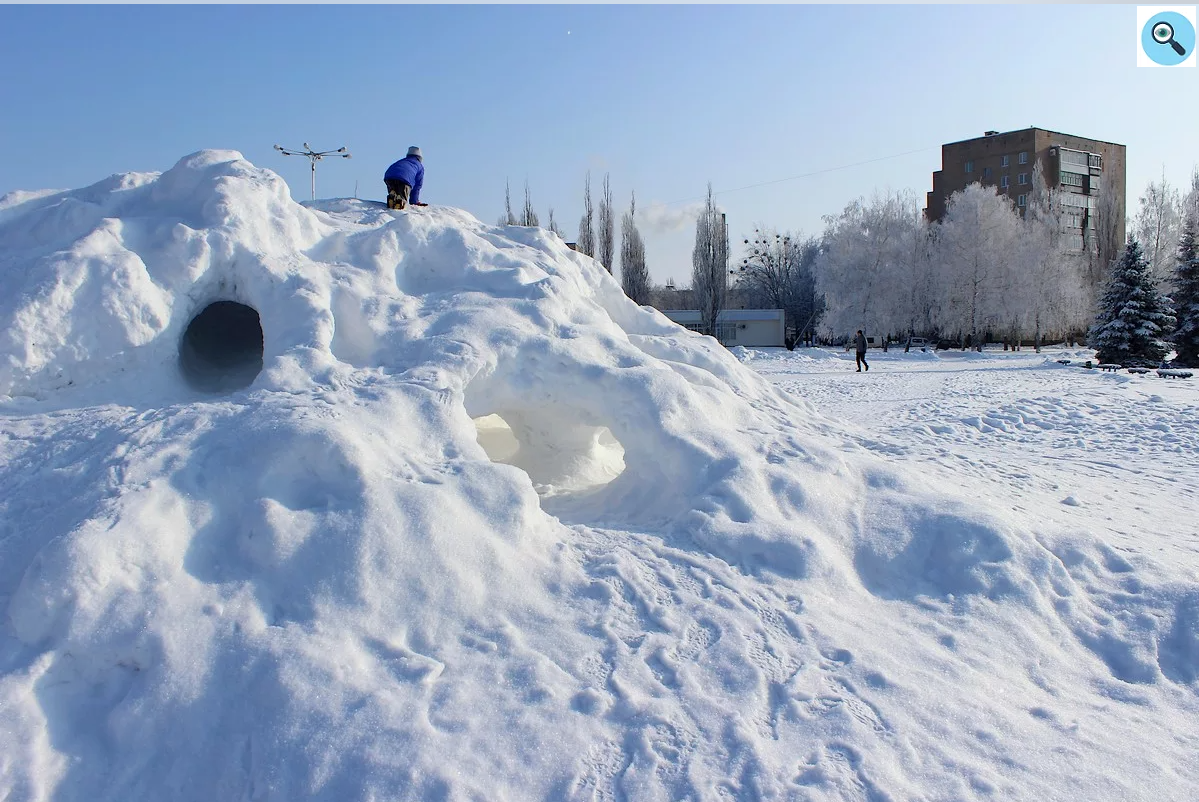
[(1074, 157), (1022, 179), (1024, 157), (1021, 200), (1003, 181), (1070, 180), (970, 167), (1095, 160), (986, 172), (1005, 160)]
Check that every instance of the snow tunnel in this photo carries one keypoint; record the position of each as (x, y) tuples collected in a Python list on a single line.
[(562, 455), (221, 350)]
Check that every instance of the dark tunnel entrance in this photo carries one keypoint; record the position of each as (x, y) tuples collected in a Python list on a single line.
[(222, 348)]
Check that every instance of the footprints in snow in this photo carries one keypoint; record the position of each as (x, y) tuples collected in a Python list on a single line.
[(680, 627)]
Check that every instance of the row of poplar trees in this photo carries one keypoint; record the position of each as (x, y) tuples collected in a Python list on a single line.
[(597, 238)]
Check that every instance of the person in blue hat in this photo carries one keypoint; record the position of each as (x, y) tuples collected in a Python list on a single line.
[(404, 180)]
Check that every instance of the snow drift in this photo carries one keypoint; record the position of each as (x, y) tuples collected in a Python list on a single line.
[(334, 502)]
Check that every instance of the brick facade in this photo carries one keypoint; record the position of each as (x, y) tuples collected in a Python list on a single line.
[(1083, 168)]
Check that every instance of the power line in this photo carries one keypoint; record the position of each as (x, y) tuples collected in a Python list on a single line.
[(808, 175)]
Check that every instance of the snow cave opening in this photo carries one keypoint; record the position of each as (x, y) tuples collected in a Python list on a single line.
[(222, 347), (562, 456)]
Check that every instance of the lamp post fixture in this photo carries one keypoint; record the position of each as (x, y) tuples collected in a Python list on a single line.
[(313, 156)]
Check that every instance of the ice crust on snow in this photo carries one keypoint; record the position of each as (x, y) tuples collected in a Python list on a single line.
[(483, 528)]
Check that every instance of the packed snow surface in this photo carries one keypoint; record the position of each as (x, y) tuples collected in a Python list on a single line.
[(330, 502)]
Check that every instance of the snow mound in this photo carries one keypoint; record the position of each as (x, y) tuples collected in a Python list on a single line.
[(327, 501)]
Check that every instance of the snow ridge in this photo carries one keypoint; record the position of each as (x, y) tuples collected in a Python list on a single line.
[(483, 528)]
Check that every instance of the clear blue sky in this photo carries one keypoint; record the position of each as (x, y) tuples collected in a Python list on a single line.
[(664, 98)]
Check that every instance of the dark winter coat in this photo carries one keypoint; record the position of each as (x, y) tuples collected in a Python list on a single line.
[(860, 342), (409, 170)]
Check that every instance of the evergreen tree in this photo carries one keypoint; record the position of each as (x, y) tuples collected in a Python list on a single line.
[(1186, 296), (634, 276), (586, 243), (607, 228), (1134, 318)]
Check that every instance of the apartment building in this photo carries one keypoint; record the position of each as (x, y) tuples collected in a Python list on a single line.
[(1085, 170)]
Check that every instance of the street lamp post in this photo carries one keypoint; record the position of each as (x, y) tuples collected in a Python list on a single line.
[(314, 157)]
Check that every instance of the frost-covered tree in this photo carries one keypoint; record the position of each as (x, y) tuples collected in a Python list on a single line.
[(977, 260), (871, 267), (1134, 319), (586, 243), (1109, 241), (1156, 227), (918, 292), (634, 275), (709, 264), (1051, 290), (1186, 296), (607, 228), (778, 272), (528, 217), (1190, 203)]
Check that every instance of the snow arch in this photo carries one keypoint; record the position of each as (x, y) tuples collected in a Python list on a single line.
[(221, 350), (561, 454)]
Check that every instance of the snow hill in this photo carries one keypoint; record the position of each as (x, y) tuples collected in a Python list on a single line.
[(331, 502)]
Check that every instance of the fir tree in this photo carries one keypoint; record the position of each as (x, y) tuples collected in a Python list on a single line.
[(1134, 318), (1186, 297)]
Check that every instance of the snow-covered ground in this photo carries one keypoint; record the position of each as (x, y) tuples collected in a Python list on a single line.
[(1114, 453), (462, 522)]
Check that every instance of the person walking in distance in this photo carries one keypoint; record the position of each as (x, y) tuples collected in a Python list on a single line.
[(860, 343)]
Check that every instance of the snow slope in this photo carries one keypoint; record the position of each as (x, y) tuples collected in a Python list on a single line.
[(481, 528)]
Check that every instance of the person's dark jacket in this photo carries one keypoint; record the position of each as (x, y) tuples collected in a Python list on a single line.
[(860, 342), (411, 171)]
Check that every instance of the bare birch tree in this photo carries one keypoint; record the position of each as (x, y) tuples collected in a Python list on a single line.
[(1157, 227)]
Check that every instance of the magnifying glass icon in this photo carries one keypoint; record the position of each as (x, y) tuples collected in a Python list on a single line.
[(1163, 34)]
